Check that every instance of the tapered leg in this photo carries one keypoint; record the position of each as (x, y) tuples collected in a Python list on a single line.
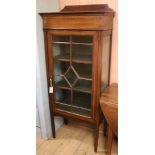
[(65, 121), (110, 139), (105, 127), (96, 134), (53, 125)]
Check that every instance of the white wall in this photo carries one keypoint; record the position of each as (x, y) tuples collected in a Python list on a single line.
[(41, 85)]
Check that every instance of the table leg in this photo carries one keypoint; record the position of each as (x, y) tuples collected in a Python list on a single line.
[(110, 140)]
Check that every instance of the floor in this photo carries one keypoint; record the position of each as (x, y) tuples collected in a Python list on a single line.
[(73, 139)]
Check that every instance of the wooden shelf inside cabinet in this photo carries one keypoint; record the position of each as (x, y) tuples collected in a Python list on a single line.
[(62, 84), (63, 104), (72, 108), (83, 86), (82, 112), (72, 43), (80, 86), (76, 59), (63, 107), (65, 58), (65, 101), (82, 59)]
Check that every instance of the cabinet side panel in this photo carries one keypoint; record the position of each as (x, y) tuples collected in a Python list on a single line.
[(105, 61)]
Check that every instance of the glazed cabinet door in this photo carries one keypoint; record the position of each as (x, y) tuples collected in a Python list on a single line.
[(72, 71)]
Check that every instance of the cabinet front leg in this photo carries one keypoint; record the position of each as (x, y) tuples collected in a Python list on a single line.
[(53, 125), (96, 135), (65, 121)]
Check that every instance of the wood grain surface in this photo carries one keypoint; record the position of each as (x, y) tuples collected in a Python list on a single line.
[(109, 106), (73, 139)]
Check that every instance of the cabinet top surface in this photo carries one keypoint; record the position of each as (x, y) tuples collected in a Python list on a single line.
[(99, 9)]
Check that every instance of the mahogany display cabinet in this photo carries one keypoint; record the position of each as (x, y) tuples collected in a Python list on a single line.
[(78, 43)]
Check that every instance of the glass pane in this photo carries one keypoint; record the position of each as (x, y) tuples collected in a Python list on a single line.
[(63, 107), (82, 53), (56, 38), (61, 52), (62, 96), (60, 67), (60, 82), (82, 100), (62, 99), (82, 39), (83, 70), (83, 86), (66, 82), (81, 103)]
